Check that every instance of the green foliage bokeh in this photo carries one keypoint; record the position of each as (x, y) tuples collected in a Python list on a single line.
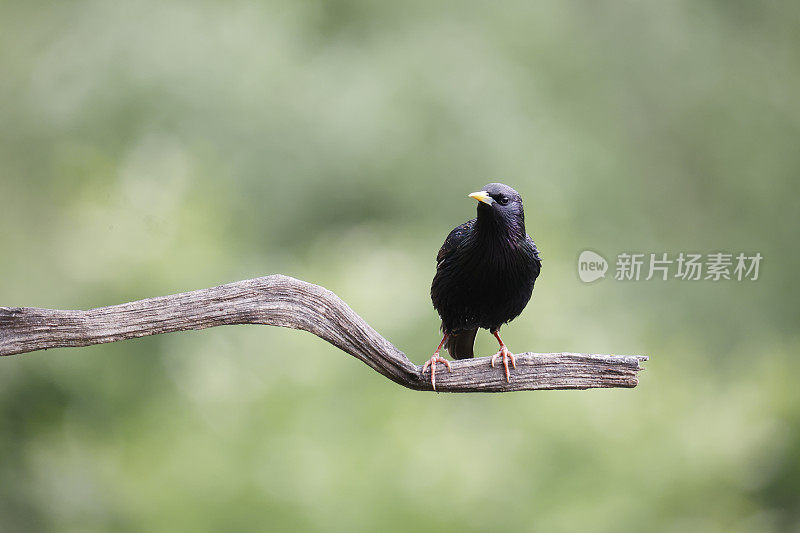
[(148, 148)]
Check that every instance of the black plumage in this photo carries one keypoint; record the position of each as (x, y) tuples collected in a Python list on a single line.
[(485, 273)]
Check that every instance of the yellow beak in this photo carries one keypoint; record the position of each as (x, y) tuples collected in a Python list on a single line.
[(482, 196)]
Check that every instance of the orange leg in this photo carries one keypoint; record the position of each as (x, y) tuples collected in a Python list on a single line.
[(505, 354), (436, 359)]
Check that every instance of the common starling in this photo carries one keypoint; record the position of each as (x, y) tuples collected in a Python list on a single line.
[(485, 273)]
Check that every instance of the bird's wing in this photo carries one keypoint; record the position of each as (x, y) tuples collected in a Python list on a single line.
[(452, 241), (535, 249)]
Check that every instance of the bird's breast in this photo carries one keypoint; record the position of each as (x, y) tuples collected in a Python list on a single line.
[(483, 287)]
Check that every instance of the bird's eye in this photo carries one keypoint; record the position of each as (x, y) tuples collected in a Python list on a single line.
[(502, 199)]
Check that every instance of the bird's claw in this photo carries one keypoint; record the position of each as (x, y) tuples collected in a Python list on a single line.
[(432, 364), (506, 355)]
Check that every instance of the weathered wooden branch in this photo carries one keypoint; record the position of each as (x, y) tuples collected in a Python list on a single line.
[(283, 301)]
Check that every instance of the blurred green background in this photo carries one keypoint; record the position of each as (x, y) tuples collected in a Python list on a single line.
[(148, 148)]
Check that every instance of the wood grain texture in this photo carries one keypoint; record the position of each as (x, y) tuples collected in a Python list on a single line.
[(283, 301)]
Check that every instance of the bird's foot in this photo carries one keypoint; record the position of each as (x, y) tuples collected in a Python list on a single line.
[(432, 364), (506, 355)]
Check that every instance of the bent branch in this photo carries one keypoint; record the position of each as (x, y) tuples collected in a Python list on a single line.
[(283, 301)]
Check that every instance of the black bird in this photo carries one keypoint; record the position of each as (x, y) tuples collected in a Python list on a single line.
[(485, 273)]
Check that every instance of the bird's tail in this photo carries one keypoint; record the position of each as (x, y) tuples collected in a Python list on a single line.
[(459, 344)]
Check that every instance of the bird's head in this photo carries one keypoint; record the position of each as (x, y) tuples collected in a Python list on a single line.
[(500, 208), (497, 200)]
